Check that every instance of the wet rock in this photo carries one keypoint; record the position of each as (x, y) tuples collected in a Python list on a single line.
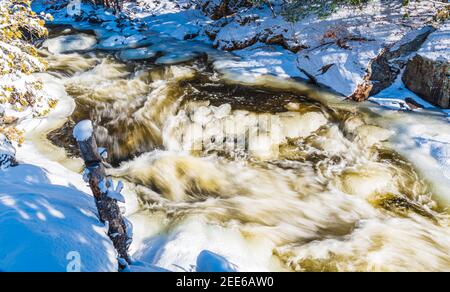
[(428, 73)]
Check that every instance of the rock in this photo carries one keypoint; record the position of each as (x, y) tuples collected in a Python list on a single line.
[(277, 36), (213, 29), (236, 37), (412, 104), (428, 73), (365, 50), (386, 67), (217, 9), (246, 18), (190, 36)]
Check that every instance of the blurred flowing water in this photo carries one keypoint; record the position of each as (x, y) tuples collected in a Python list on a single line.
[(273, 177)]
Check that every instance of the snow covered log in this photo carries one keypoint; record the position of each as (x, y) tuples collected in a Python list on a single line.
[(106, 197)]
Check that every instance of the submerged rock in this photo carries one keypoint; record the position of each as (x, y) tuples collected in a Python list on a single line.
[(428, 73)]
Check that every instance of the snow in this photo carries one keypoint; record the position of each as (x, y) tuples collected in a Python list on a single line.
[(83, 130), (41, 202), (196, 245), (347, 70), (436, 48), (259, 60), (208, 261), (48, 219), (111, 192), (394, 97)]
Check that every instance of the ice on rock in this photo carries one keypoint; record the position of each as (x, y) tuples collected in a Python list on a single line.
[(83, 131), (119, 42), (262, 146), (68, 43), (366, 181), (202, 115), (296, 125), (137, 54), (222, 111), (176, 58)]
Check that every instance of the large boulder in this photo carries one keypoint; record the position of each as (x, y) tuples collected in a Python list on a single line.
[(385, 68), (428, 73)]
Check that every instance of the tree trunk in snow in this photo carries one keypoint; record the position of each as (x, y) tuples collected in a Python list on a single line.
[(7, 153), (108, 208)]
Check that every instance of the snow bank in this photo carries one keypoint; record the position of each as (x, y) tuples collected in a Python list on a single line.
[(47, 223), (436, 48)]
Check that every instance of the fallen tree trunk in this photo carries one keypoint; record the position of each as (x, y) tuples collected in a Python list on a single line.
[(106, 197)]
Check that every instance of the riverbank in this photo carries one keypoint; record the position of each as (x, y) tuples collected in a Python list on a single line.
[(356, 52)]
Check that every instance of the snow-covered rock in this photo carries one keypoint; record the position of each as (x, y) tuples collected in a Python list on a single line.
[(354, 52), (386, 67), (428, 73), (69, 43), (218, 8)]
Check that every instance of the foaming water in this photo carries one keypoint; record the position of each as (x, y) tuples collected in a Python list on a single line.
[(275, 176)]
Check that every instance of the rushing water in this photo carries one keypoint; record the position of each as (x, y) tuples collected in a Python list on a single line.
[(270, 177)]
